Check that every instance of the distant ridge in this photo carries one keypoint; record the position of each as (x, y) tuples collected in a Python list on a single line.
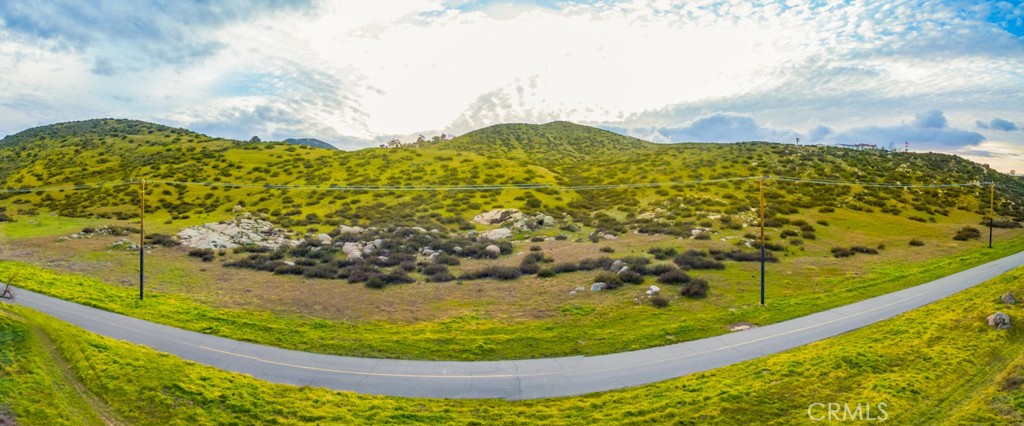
[(316, 143)]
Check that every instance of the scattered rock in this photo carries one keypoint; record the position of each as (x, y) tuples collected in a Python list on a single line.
[(740, 326), (578, 289), (616, 265), (493, 249), (652, 290), (999, 320), (497, 216), (497, 234), (1008, 298), (621, 270), (324, 239), (598, 286)]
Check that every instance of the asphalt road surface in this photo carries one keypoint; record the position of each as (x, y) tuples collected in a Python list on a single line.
[(519, 379)]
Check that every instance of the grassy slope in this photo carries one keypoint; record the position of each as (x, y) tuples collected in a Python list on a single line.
[(938, 364), (31, 382)]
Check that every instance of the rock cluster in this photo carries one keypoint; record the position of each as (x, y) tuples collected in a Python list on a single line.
[(235, 233), (999, 320), (514, 220)]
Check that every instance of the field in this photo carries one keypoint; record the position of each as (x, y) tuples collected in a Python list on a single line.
[(940, 364)]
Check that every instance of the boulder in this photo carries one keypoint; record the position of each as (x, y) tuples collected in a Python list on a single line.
[(598, 286), (345, 229), (497, 234), (579, 289), (1008, 298), (654, 289), (999, 320), (497, 216), (616, 265), (548, 221), (493, 249), (622, 269), (324, 239), (353, 250)]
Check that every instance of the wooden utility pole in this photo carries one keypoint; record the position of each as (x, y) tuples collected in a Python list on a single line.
[(991, 210), (761, 191), (142, 241)]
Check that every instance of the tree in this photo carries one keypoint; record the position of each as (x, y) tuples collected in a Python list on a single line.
[(255, 139)]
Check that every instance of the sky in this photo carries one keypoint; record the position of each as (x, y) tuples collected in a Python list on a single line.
[(946, 76)]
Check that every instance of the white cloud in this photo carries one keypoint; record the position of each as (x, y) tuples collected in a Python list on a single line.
[(358, 70)]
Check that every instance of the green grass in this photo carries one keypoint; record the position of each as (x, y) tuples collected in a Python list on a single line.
[(940, 364), (32, 385), (472, 336)]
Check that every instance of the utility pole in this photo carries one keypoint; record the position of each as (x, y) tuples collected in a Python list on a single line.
[(991, 210), (761, 191), (142, 241)]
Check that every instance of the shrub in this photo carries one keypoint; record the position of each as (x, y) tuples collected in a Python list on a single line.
[(695, 259), (446, 259), (536, 248), (434, 269), (702, 236), (823, 222), (565, 267), (967, 233), (796, 242), (808, 235), (1003, 224), (826, 209), (529, 268), (864, 250), (662, 253), (546, 273), (206, 255), (696, 288), (537, 239), (630, 277), (496, 272), (842, 252), (162, 240), (745, 256), (659, 302), (788, 233), (286, 269), (655, 270), (610, 279), (607, 249), (916, 242), (441, 278), (674, 277), (534, 257), (592, 264), (320, 271)]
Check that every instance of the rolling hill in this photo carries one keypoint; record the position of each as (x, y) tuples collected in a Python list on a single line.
[(197, 178)]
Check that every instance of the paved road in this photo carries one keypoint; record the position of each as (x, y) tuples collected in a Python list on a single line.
[(520, 379)]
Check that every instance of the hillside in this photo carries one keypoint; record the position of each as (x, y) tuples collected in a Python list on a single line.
[(201, 172)]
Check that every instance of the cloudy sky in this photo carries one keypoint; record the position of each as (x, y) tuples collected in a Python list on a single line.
[(945, 76)]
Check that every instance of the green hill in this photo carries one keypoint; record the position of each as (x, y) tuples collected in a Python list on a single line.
[(194, 177)]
